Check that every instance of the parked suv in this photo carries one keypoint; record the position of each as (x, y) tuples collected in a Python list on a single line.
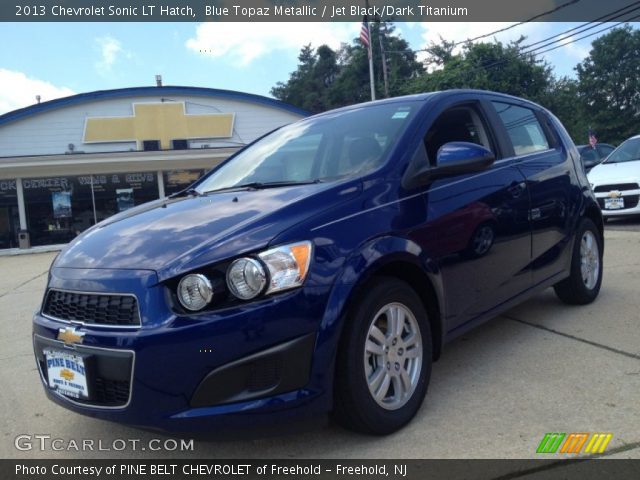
[(321, 268)]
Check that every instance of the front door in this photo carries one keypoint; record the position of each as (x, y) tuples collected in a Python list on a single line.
[(477, 227)]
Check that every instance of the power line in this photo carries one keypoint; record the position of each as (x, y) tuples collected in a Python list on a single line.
[(541, 49), (534, 52), (586, 36), (559, 7), (586, 26), (582, 28)]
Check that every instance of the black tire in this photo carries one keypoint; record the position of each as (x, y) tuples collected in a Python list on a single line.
[(575, 290), (354, 405)]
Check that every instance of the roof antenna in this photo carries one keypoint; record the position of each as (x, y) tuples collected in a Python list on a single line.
[(38, 98), (158, 80)]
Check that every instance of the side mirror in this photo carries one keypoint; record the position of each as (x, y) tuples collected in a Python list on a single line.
[(457, 158)]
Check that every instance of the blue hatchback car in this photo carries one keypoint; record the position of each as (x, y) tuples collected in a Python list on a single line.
[(321, 268)]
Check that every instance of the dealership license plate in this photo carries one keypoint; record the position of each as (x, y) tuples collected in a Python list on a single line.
[(66, 373), (613, 203)]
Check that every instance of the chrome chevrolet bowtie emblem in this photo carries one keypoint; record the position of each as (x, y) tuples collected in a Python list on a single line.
[(615, 194), (70, 335)]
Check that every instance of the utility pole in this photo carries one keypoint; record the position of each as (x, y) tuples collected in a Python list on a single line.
[(382, 34), (365, 37)]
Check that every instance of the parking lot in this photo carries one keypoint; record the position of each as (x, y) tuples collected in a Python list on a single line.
[(541, 367)]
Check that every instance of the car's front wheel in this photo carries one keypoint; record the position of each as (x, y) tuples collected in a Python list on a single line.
[(384, 359), (583, 284)]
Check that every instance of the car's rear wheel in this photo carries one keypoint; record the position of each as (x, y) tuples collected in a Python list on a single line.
[(583, 285), (384, 359)]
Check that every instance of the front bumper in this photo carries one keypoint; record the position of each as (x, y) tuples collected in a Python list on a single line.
[(247, 365), (629, 193)]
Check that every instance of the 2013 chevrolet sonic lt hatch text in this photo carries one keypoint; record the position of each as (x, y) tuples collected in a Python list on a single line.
[(321, 268)]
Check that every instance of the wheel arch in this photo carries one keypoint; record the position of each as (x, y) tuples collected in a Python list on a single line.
[(391, 257), (592, 211)]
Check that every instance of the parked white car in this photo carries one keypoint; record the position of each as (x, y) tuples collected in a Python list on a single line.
[(616, 181)]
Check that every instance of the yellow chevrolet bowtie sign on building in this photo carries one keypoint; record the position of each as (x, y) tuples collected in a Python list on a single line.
[(158, 121)]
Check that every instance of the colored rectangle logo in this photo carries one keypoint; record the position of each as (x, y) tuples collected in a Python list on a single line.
[(573, 443)]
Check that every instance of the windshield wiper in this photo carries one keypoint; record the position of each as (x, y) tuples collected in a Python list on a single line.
[(187, 192), (263, 185)]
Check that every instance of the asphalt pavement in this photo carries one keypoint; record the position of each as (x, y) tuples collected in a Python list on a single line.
[(541, 367)]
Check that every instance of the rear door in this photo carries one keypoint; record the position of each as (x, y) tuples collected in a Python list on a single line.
[(544, 160)]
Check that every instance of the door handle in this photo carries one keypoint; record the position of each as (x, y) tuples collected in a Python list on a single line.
[(516, 189)]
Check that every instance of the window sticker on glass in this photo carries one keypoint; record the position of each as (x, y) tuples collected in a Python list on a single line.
[(401, 114)]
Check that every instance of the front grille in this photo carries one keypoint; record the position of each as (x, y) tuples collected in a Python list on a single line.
[(116, 310), (620, 186), (630, 201)]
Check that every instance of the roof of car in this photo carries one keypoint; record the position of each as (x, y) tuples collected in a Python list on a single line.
[(430, 96)]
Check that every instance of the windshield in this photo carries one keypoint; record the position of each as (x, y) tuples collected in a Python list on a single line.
[(629, 151), (317, 150)]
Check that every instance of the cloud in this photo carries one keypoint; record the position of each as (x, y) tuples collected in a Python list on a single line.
[(243, 43), (19, 90), (533, 31), (110, 48)]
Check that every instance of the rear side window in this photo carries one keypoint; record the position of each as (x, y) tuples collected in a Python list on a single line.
[(523, 128)]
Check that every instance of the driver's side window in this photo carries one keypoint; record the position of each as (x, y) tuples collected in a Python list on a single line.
[(458, 124)]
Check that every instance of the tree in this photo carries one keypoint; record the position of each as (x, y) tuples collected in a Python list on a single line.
[(609, 85), (328, 79), (563, 100), (308, 87), (486, 66)]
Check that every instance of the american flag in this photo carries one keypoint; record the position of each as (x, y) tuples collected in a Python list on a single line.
[(364, 33), (592, 138)]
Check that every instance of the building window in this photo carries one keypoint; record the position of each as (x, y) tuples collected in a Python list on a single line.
[(116, 193), (180, 144), (176, 180), (151, 145), (59, 208), (9, 216)]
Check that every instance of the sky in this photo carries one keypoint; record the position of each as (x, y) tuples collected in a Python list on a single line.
[(59, 59)]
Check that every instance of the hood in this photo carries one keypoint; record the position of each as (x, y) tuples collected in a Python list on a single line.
[(175, 235), (606, 173)]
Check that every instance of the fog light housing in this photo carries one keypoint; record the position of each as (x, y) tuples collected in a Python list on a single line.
[(195, 292)]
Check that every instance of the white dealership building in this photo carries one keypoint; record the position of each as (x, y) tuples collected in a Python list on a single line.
[(69, 162)]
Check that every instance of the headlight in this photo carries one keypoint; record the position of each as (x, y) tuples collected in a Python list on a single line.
[(286, 267), (246, 278), (195, 292)]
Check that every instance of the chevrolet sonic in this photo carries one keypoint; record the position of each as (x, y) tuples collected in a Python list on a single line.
[(321, 268)]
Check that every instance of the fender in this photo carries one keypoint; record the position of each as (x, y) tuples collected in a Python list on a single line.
[(371, 258)]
